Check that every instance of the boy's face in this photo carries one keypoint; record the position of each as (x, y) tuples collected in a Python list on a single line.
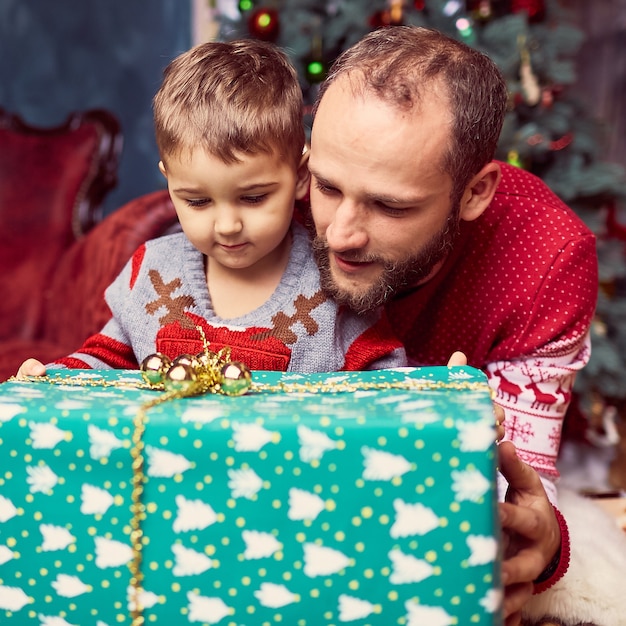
[(237, 214)]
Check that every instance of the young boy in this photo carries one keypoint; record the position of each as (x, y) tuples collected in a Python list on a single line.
[(228, 121)]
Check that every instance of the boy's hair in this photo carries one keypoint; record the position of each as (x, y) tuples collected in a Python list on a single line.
[(400, 63), (228, 98)]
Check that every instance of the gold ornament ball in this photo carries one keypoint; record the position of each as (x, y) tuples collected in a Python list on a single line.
[(235, 379), (154, 367), (181, 377), (187, 359), (207, 359)]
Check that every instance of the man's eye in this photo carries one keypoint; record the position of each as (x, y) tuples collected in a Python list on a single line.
[(197, 202), (325, 189), (254, 199), (390, 210)]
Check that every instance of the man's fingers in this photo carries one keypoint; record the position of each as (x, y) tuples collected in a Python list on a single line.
[(519, 475), (457, 358), (515, 598)]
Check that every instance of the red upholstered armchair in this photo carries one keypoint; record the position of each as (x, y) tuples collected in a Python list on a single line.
[(72, 301), (54, 263)]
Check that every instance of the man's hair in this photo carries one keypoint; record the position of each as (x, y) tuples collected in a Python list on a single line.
[(400, 63), (229, 98)]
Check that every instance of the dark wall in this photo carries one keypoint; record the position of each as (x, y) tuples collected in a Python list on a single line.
[(66, 55)]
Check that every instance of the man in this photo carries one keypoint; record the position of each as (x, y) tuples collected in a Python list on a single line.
[(410, 210)]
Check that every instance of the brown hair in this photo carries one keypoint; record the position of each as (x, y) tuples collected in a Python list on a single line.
[(398, 63), (241, 96)]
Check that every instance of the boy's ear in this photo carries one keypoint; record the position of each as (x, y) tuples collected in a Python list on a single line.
[(303, 177), (162, 169), (480, 191)]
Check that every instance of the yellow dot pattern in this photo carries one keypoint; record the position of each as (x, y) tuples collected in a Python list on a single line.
[(278, 508)]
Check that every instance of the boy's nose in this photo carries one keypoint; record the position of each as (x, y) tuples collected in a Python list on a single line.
[(227, 222)]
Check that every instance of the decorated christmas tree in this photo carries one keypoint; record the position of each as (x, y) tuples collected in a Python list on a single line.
[(547, 129)]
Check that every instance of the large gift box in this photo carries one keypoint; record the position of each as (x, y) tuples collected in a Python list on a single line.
[(313, 500)]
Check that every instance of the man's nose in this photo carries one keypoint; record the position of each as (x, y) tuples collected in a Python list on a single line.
[(347, 231)]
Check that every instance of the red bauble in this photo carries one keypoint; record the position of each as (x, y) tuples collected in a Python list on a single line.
[(536, 9), (264, 24), (383, 18)]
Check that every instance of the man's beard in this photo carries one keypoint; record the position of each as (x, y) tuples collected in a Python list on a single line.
[(396, 275)]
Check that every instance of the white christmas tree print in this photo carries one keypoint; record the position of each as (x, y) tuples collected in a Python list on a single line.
[(102, 442), (203, 414), (69, 586), (492, 600), (483, 549), (244, 483), (94, 500), (111, 553), (351, 608), (55, 537), (52, 620), (9, 410), (259, 545), (7, 509), (412, 519), (417, 412), (12, 598), (45, 436), (275, 596), (6, 554), (469, 485), (304, 504), (250, 437), (420, 615), (322, 561), (165, 464), (407, 568), (147, 599), (313, 444), (205, 609), (189, 562), (193, 515), (41, 479), (381, 465), (476, 436)]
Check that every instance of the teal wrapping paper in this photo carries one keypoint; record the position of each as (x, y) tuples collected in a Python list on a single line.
[(368, 507)]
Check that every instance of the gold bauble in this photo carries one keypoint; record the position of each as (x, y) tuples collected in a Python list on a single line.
[(181, 377), (235, 379), (188, 359), (154, 367)]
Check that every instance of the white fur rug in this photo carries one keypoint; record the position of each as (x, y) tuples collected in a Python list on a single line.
[(593, 591)]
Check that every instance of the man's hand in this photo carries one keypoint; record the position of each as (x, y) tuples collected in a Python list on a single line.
[(458, 358), (531, 532), (31, 367)]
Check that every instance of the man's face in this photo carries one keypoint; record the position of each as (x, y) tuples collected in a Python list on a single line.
[(379, 197)]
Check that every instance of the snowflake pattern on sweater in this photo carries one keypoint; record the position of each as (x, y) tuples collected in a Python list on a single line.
[(161, 297)]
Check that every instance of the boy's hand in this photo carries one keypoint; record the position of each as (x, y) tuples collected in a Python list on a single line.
[(31, 367)]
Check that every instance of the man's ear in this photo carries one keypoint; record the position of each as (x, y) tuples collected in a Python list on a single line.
[(162, 169), (303, 176), (480, 191)]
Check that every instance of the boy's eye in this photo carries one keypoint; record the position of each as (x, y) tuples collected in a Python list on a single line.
[(197, 202), (254, 199)]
